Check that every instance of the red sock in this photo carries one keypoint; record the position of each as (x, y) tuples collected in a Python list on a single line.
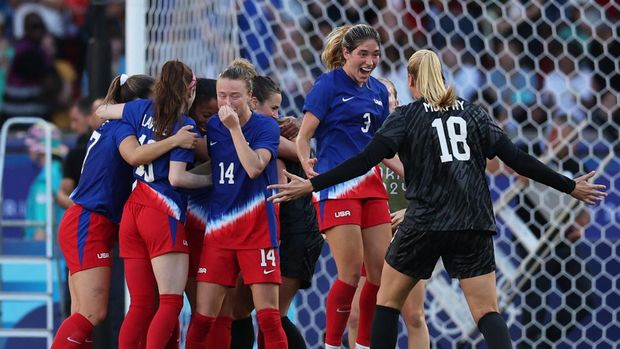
[(260, 340), (175, 339), (368, 301), (73, 332), (219, 336), (337, 313), (198, 331), (270, 324), (141, 284), (163, 322)]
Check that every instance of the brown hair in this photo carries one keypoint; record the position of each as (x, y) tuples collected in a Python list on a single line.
[(240, 69), (136, 86), (425, 68), (171, 95), (348, 37)]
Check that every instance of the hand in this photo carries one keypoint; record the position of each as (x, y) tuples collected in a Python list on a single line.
[(289, 127), (586, 191), (309, 167), (397, 218), (185, 138), (228, 117), (295, 188)]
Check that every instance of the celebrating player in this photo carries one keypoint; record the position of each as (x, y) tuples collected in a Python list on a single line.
[(443, 142), (343, 111), (242, 229), (152, 236), (88, 229)]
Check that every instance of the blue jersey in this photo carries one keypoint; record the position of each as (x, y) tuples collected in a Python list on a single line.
[(105, 182), (158, 192), (349, 116), (240, 216)]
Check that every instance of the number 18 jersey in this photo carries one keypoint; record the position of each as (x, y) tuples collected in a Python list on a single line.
[(444, 154), (349, 116), (240, 216)]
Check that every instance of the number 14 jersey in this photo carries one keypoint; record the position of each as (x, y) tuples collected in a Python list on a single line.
[(240, 216)]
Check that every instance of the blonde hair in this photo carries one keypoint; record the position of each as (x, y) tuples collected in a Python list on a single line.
[(348, 37), (240, 69), (389, 84), (425, 68)]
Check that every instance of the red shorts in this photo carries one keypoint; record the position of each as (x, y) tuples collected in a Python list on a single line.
[(147, 233), (363, 212), (86, 239), (195, 232), (222, 266)]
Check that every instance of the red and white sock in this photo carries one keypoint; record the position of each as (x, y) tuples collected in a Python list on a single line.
[(367, 303), (198, 331), (141, 284), (220, 334), (270, 325), (165, 319), (73, 332)]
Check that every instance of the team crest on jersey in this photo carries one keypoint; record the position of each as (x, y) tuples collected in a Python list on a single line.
[(378, 102)]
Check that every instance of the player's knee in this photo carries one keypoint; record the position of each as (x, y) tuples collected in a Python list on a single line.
[(351, 276), (414, 319)]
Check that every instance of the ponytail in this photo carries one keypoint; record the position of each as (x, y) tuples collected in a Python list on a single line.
[(425, 68), (171, 97)]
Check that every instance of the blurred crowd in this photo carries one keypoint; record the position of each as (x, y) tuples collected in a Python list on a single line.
[(43, 55)]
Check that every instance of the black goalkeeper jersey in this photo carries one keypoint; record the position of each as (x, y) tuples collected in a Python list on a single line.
[(444, 154)]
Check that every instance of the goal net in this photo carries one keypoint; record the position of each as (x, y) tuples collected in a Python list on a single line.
[(547, 71)]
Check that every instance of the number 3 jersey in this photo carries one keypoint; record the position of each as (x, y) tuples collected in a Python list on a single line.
[(444, 153), (349, 116), (240, 216), (106, 179), (153, 187)]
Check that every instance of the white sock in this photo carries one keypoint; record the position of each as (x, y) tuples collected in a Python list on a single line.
[(359, 346)]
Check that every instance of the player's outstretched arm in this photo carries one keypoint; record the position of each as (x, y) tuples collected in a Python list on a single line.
[(528, 166), (361, 163), (395, 165)]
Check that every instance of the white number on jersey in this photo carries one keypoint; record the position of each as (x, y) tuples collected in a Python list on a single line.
[(366, 126), (145, 171), (227, 173), (455, 139), (267, 255), (94, 138)]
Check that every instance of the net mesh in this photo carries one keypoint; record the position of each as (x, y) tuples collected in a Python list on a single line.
[(548, 71)]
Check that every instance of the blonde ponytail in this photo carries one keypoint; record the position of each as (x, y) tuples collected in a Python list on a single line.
[(424, 66)]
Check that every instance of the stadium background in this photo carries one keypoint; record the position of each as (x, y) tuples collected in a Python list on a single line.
[(548, 71)]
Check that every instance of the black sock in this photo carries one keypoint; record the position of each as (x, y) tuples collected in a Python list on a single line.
[(293, 336), (495, 332), (242, 334), (384, 330)]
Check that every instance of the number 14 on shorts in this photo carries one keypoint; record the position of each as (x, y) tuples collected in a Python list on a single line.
[(267, 254)]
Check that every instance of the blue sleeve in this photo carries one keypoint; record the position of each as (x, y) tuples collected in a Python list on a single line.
[(268, 137), (133, 111), (318, 100), (182, 154), (122, 131)]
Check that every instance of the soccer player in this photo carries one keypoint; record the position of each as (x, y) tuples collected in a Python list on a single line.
[(242, 229), (443, 142), (300, 240), (413, 309), (343, 110), (88, 229), (152, 235)]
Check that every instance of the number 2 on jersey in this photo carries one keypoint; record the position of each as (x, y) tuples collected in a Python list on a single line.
[(455, 139)]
